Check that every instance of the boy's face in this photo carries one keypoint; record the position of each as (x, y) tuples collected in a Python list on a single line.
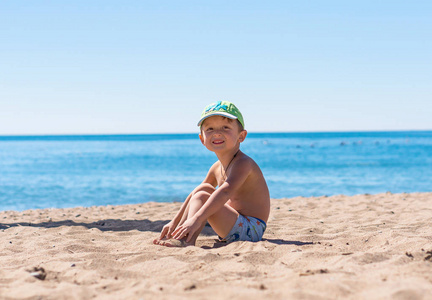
[(220, 133)]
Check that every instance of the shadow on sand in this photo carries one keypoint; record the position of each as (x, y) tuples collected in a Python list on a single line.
[(106, 225), (103, 225), (218, 244), (285, 242)]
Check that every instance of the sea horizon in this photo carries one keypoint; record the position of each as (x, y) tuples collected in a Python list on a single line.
[(250, 133), (42, 171)]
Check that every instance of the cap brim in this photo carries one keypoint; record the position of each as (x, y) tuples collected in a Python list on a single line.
[(223, 114)]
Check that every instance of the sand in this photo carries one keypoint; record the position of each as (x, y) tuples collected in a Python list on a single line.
[(339, 247)]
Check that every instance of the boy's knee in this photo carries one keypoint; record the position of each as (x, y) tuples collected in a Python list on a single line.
[(203, 192), (201, 196), (204, 187)]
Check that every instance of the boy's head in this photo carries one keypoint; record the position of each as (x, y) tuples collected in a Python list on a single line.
[(224, 109)]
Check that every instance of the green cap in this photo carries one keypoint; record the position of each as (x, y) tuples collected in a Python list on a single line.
[(222, 108)]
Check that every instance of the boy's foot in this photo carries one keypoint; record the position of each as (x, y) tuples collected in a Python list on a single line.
[(171, 243)]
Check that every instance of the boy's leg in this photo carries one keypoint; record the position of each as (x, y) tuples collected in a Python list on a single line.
[(222, 221), (199, 197)]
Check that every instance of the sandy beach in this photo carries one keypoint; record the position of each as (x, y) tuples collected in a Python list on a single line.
[(339, 247)]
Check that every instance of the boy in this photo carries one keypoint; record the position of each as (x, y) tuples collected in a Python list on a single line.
[(239, 208)]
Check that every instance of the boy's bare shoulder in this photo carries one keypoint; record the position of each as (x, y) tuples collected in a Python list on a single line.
[(246, 161), (245, 167)]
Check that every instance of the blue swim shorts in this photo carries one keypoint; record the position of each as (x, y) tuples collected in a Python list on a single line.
[(246, 229)]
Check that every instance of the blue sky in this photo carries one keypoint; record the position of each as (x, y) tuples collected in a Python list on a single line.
[(101, 67)]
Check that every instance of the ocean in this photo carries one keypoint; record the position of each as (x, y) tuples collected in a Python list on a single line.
[(87, 170)]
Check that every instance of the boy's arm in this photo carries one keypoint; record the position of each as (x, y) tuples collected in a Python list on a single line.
[(239, 173), (169, 228), (210, 179)]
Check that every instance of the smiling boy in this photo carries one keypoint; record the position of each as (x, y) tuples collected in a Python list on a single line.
[(234, 197)]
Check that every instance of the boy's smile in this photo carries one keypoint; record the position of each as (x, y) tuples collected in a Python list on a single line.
[(220, 133)]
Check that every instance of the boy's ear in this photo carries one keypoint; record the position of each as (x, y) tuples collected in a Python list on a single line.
[(242, 136), (201, 139)]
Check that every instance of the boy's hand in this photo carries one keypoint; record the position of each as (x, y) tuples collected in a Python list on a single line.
[(188, 229), (167, 230)]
